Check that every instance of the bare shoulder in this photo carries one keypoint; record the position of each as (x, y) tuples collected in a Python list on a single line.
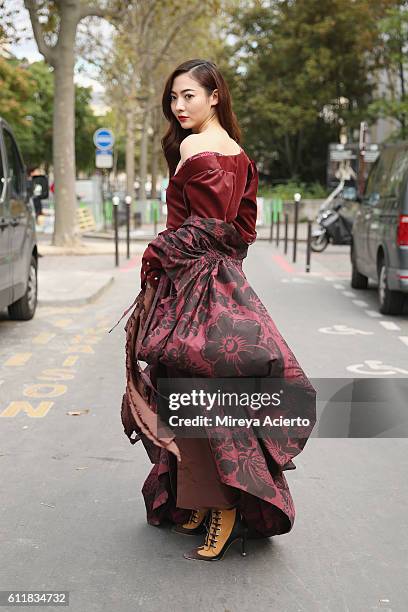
[(192, 144)]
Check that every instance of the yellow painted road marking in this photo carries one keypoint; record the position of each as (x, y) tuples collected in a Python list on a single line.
[(79, 348), (19, 359), (15, 407), (44, 390), (94, 331), (46, 312), (57, 374), (85, 339), (43, 338), (62, 322), (70, 361)]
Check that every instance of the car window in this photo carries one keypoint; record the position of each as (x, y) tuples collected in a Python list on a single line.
[(371, 192), (398, 172), (371, 180), (15, 168), (384, 172)]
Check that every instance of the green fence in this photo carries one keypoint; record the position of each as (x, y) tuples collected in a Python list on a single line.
[(272, 207)]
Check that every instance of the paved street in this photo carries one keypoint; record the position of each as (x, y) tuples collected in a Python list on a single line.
[(72, 514)]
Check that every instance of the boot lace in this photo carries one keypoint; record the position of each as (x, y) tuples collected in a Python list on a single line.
[(213, 529), (194, 516)]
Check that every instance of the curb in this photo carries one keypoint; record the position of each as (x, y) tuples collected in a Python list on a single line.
[(80, 301)]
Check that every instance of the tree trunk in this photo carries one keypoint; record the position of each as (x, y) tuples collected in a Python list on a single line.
[(143, 155), (65, 232), (288, 153), (155, 154), (130, 152)]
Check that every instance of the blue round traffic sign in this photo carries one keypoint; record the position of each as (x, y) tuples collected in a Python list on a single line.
[(103, 139)]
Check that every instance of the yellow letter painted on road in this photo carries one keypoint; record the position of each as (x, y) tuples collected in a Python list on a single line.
[(15, 407), (56, 374), (45, 390)]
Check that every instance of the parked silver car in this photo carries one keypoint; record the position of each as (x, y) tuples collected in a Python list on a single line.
[(18, 244)]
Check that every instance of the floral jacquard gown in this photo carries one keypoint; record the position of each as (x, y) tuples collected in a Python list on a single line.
[(206, 321)]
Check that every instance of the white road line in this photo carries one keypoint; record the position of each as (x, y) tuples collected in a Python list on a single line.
[(349, 294), (338, 286), (404, 339), (360, 303), (390, 325), (328, 278), (373, 313)]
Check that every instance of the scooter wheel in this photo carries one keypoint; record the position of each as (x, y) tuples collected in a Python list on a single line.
[(319, 243)]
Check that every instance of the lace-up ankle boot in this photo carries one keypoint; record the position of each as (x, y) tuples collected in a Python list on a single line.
[(226, 526), (195, 524)]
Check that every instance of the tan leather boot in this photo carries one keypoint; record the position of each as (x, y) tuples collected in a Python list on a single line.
[(195, 524), (226, 527)]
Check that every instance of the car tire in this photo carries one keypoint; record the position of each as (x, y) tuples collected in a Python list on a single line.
[(358, 280), (24, 308), (391, 302)]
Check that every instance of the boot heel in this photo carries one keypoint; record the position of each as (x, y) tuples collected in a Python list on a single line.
[(243, 543)]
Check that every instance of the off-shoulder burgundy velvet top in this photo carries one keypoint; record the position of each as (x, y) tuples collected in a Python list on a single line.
[(209, 184)]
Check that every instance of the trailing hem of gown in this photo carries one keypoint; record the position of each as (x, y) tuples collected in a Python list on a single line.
[(203, 297)]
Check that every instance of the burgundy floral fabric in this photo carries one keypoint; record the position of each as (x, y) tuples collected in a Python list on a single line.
[(207, 321)]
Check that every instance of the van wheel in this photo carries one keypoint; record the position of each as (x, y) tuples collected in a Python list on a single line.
[(24, 308), (391, 302), (358, 281)]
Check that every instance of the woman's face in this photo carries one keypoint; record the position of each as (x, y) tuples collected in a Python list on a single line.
[(190, 103)]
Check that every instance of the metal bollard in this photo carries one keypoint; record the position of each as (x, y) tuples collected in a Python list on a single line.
[(308, 245), (285, 250), (277, 228), (297, 197), (271, 230), (115, 202), (128, 202)]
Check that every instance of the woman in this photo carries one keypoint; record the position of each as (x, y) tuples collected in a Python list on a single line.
[(197, 316)]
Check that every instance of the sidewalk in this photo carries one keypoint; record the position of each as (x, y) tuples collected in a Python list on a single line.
[(79, 275)]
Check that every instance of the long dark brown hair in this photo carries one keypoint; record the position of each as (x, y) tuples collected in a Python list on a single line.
[(208, 76)]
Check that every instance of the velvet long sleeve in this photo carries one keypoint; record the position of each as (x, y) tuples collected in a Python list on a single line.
[(245, 221), (209, 193)]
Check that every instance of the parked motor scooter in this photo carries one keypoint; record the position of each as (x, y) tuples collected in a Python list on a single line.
[(335, 227)]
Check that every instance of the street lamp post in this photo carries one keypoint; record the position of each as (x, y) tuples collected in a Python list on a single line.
[(297, 197), (115, 202), (128, 202)]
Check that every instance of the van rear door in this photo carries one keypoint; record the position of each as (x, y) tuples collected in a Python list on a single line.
[(381, 210), (363, 219)]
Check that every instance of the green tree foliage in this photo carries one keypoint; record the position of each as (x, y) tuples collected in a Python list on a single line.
[(302, 71), (392, 101), (26, 102), (85, 125), (15, 91)]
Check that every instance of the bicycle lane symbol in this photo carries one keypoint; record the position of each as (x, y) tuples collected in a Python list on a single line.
[(375, 367)]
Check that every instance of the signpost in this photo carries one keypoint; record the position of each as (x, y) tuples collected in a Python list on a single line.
[(104, 159), (104, 141)]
